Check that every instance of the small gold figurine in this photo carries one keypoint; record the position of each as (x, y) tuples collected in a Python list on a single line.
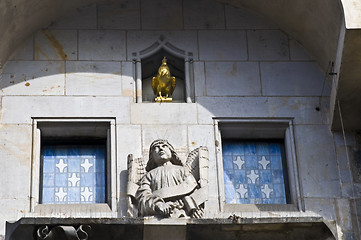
[(163, 84)]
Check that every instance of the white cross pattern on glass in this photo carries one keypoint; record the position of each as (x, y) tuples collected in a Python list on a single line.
[(266, 190), (73, 181), (239, 161), (253, 176), (264, 162), (86, 194), (60, 194), (242, 190), (86, 165), (61, 165)]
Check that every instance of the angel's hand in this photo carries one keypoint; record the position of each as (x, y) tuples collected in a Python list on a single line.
[(163, 208)]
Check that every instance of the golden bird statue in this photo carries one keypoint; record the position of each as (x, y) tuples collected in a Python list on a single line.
[(163, 84)]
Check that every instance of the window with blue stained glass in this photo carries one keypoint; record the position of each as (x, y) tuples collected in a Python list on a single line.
[(73, 174), (254, 172)]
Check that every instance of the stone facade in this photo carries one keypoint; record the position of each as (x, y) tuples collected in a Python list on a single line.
[(243, 67)]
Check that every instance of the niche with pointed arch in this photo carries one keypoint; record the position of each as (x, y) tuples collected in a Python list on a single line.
[(147, 63)]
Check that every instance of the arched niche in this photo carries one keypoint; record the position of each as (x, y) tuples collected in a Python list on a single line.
[(146, 63)]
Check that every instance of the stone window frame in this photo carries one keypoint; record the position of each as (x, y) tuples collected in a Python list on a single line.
[(47, 209), (257, 129), (162, 43)]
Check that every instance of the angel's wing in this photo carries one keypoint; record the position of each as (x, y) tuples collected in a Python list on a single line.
[(136, 170), (197, 164)]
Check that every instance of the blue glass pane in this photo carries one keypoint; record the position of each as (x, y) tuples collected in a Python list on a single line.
[(74, 194), (254, 191), (227, 162), (48, 164), (99, 195), (228, 176), (226, 149), (265, 177), (61, 180), (99, 179), (262, 149), (251, 162), (48, 180), (48, 195), (277, 176), (237, 149), (250, 149), (69, 173), (276, 162), (240, 177), (87, 179), (275, 149), (253, 172)]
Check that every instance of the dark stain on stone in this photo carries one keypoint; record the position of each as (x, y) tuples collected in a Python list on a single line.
[(55, 43)]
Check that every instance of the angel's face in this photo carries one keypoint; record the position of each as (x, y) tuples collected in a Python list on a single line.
[(161, 153)]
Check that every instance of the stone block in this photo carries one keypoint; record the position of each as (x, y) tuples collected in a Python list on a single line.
[(163, 113), (175, 134), (203, 14), (349, 137), (301, 109), (20, 109), (25, 51), (343, 163), (240, 18), (140, 40), (199, 79), (108, 45), (317, 162), (55, 45), (33, 78), (128, 83), (298, 52), (122, 14), (161, 14), (322, 207), (267, 45), (232, 79), (344, 214), (222, 45), (129, 141), (11, 210), (292, 79), (93, 78), (15, 152), (78, 18), (164, 232)]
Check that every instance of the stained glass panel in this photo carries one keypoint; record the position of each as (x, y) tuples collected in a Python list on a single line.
[(73, 174), (254, 172)]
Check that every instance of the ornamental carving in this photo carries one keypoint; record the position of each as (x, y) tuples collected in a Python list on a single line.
[(165, 187)]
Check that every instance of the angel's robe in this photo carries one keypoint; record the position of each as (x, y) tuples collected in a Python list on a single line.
[(168, 183)]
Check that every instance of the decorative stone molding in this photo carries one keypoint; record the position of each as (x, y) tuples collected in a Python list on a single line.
[(63, 232)]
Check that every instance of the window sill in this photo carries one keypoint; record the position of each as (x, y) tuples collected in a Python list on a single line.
[(260, 207), (47, 209)]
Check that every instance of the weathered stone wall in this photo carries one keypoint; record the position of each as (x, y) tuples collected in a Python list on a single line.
[(244, 67)]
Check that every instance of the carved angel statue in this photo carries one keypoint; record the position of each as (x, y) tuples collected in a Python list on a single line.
[(163, 84), (165, 187)]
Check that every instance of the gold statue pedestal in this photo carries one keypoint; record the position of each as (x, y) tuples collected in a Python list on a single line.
[(163, 99)]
